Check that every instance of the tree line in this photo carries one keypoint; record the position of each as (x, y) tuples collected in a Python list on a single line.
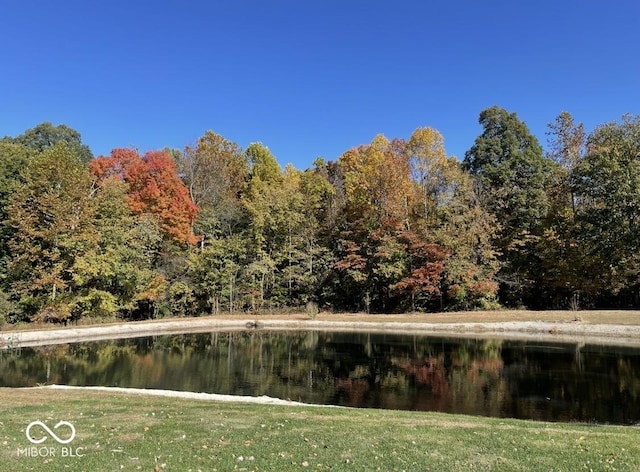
[(393, 225)]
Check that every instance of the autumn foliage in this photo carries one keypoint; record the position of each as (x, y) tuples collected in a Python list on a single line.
[(426, 264), (390, 226), (154, 188)]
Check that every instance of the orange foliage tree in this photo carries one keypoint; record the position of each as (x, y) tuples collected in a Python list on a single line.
[(154, 188)]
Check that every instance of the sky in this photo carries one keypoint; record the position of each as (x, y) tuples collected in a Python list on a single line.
[(311, 79)]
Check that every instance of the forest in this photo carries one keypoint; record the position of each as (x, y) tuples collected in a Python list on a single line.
[(396, 225)]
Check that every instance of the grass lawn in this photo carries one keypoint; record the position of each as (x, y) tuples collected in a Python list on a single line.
[(128, 432)]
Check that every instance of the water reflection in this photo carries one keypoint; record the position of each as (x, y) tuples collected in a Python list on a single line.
[(554, 382)]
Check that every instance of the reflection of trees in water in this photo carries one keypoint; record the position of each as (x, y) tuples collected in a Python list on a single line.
[(419, 375), (574, 383), (477, 380), (369, 370)]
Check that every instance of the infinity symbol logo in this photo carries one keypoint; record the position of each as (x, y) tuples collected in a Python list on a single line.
[(51, 433)]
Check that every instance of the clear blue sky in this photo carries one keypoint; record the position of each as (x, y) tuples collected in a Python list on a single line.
[(311, 78)]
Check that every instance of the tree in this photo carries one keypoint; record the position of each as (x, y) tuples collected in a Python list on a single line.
[(319, 200), (77, 248), (431, 170), (607, 184), (509, 166), (377, 183), (466, 232), (116, 276), (263, 164), (331, 210), (215, 171), (568, 140), (447, 211), (263, 199), (219, 274), (566, 147), (45, 135), (508, 162), (274, 203), (420, 273), (50, 221), (376, 187), (154, 188), (560, 276), (14, 158), (386, 260)]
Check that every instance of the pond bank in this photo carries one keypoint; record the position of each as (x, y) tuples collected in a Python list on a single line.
[(121, 431), (562, 329)]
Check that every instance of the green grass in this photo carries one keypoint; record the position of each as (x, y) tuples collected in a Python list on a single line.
[(124, 432)]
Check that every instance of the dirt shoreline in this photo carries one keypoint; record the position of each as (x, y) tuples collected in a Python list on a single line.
[(562, 329)]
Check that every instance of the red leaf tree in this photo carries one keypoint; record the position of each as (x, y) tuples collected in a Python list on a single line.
[(154, 187), (425, 267)]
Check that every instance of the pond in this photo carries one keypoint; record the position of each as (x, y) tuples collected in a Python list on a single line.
[(500, 378)]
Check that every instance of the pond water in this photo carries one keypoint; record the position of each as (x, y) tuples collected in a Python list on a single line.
[(532, 380)]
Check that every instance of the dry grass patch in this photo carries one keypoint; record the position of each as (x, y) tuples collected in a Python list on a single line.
[(612, 317), (621, 317)]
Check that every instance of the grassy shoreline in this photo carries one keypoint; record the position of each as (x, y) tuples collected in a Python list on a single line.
[(119, 431)]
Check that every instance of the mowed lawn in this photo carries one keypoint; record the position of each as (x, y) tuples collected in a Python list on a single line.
[(131, 432)]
